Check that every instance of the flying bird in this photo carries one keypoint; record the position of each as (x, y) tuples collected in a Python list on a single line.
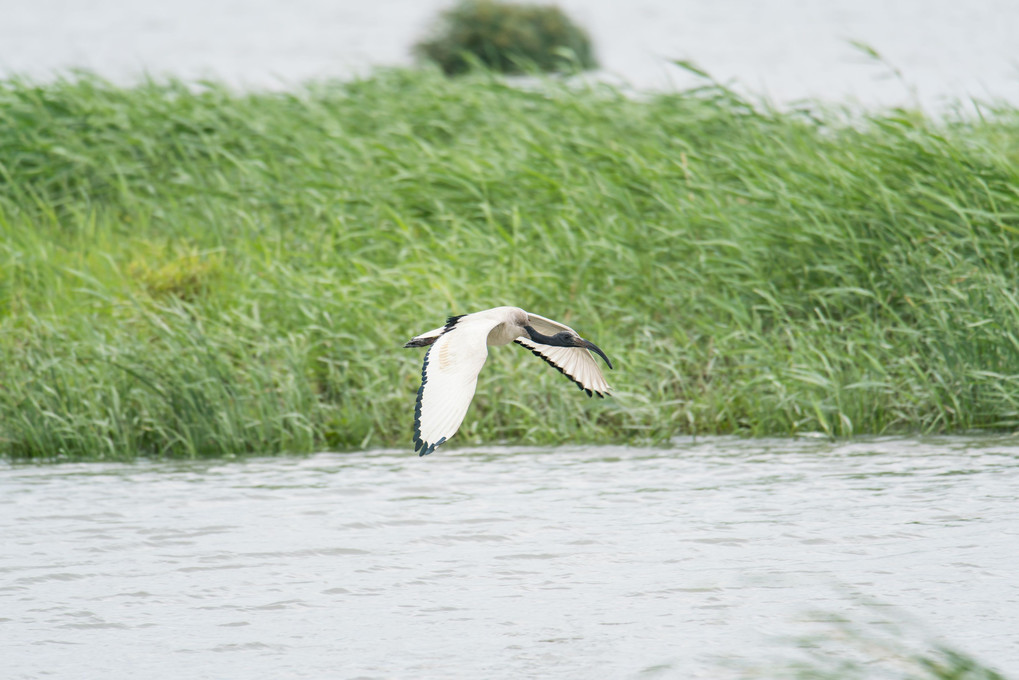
[(457, 351)]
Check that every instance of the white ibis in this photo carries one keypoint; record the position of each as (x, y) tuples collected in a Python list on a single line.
[(457, 351)]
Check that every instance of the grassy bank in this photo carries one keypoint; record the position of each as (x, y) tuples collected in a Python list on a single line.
[(189, 271)]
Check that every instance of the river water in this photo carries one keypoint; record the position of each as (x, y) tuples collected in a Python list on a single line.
[(784, 50), (701, 560)]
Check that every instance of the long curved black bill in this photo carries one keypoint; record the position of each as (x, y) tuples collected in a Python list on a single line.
[(594, 348)]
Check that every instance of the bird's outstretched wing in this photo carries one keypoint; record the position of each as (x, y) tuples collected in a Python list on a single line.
[(448, 380), (426, 339), (547, 326), (576, 363)]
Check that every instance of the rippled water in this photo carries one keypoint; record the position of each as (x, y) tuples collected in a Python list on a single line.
[(503, 563)]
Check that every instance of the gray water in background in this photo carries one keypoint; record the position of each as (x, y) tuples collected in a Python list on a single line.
[(504, 563), (784, 50)]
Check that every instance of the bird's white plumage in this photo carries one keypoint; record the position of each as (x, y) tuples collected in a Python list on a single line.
[(458, 351), (448, 380)]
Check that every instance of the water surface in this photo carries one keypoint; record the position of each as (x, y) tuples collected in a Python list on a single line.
[(691, 561), (786, 50)]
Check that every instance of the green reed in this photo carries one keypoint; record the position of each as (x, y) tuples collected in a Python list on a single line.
[(186, 270)]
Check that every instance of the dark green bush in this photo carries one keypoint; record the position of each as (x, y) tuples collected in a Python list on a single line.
[(507, 37)]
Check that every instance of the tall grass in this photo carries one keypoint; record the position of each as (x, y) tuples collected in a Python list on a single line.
[(189, 271)]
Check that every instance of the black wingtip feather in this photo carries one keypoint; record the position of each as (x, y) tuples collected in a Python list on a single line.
[(430, 447), (418, 442)]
